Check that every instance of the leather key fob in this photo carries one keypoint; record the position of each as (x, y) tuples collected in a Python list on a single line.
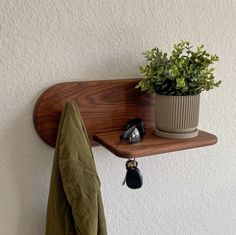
[(134, 178)]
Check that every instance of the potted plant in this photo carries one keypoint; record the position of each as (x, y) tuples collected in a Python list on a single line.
[(178, 80)]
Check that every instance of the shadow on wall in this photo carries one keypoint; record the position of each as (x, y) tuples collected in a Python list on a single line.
[(29, 163)]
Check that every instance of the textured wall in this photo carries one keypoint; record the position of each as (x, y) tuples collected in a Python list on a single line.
[(45, 42)]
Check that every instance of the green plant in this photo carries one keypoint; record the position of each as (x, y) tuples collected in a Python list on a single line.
[(185, 72)]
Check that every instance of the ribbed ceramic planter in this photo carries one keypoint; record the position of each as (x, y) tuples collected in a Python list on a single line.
[(177, 116)]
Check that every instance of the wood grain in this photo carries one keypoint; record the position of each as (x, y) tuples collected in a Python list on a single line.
[(151, 144), (105, 105)]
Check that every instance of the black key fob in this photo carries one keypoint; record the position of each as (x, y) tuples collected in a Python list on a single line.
[(133, 178)]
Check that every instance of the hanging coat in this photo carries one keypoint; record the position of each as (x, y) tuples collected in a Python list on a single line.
[(74, 205)]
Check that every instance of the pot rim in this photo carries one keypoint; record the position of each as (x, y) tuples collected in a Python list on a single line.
[(177, 95)]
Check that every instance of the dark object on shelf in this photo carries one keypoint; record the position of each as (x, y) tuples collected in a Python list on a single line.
[(133, 178), (134, 131)]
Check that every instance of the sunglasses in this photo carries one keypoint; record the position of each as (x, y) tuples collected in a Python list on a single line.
[(134, 131)]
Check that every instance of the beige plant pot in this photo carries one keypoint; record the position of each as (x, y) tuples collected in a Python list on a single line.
[(176, 117)]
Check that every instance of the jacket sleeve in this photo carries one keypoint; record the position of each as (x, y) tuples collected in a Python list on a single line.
[(79, 176)]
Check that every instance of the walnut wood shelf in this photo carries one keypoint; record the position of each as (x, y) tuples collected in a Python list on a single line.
[(106, 106), (151, 144)]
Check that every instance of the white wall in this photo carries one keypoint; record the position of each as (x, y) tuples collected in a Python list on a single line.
[(46, 42)]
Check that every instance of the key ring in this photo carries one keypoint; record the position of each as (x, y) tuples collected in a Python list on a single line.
[(131, 163)]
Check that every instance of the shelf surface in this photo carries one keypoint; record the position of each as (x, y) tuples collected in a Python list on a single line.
[(151, 144)]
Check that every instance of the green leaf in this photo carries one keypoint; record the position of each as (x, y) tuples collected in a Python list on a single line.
[(180, 83), (161, 70)]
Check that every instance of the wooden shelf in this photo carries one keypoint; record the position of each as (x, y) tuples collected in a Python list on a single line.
[(151, 144), (106, 106)]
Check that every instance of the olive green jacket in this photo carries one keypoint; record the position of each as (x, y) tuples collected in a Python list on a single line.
[(74, 204)]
